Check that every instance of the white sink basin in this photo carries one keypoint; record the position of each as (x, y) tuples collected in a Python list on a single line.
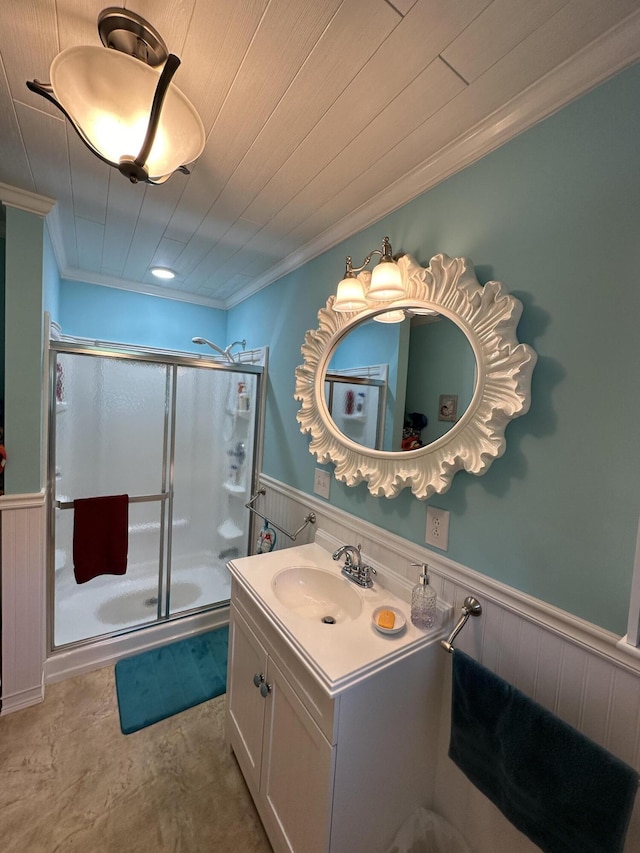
[(316, 594)]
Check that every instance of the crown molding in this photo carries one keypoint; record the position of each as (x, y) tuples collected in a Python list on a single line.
[(605, 57), (139, 287), (25, 200)]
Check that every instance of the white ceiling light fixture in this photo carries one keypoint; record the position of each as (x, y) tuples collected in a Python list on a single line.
[(123, 104), (386, 282), (163, 272)]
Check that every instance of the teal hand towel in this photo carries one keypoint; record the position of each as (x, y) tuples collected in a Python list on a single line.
[(562, 790)]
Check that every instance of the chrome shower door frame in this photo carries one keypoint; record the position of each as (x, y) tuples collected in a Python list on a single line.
[(173, 361)]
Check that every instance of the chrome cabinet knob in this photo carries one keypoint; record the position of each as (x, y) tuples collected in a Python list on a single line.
[(265, 689), (258, 678)]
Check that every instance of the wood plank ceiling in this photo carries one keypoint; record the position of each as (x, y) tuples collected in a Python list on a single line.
[(320, 115)]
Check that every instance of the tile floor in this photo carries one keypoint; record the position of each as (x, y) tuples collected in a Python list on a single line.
[(71, 782)]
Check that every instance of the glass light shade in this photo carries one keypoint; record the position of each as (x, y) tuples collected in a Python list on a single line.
[(108, 96), (423, 312), (386, 282), (390, 317), (350, 296)]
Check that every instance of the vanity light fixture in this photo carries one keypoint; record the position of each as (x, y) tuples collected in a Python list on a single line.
[(386, 282), (350, 294), (122, 103), (386, 278), (414, 311), (396, 316), (162, 272)]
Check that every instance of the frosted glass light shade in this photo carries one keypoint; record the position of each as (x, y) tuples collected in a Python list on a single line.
[(423, 312), (386, 282), (390, 317), (350, 296), (108, 96)]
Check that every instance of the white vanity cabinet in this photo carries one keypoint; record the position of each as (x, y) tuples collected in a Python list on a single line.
[(329, 774), (286, 760)]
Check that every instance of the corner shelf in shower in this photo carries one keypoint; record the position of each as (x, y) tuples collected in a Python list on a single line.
[(235, 489), (230, 530), (61, 406)]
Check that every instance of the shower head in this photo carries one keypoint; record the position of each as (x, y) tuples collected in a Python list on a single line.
[(226, 353)]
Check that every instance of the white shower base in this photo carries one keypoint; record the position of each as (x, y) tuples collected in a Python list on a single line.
[(111, 603)]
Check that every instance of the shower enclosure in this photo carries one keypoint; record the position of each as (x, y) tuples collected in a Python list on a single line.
[(180, 435)]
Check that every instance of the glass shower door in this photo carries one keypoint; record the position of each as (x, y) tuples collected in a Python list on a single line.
[(110, 432), (212, 477)]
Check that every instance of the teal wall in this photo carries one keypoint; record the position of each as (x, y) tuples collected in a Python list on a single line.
[(380, 343), (23, 358), (50, 280), (553, 214), (110, 314), (441, 361)]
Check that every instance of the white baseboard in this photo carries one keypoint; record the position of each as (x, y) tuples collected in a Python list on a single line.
[(94, 655), (22, 699)]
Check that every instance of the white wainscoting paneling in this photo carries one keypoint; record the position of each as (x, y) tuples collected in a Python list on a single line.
[(23, 600)]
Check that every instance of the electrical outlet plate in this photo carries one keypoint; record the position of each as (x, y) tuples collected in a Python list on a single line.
[(322, 483), (437, 533)]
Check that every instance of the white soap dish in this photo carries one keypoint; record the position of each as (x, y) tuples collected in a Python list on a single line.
[(398, 625)]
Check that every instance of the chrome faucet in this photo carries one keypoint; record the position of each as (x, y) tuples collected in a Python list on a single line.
[(354, 568)]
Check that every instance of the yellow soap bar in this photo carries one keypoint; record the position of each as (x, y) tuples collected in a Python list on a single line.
[(386, 619)]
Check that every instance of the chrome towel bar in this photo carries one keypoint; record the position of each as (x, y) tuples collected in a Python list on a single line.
[(471, 607), (133, 499), (308, 519)]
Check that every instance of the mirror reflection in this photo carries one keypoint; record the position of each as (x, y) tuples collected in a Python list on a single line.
[(400, 386)]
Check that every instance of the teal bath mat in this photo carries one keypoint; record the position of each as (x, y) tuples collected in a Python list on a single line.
[(164, 681)]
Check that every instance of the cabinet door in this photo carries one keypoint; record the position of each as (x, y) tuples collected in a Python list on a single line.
[(297, 770), (245, 704)]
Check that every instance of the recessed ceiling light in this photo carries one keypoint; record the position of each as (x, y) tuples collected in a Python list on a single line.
[(162, 272)]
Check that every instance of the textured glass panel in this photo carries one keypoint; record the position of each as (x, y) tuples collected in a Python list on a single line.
[(110, 439), (110, 421), (212, 478), (108, 603), (354, 410), (110, 427)]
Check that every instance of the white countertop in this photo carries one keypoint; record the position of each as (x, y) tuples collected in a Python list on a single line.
[(342, 654)]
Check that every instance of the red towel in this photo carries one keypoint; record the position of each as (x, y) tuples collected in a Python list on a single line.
[(100, 536)]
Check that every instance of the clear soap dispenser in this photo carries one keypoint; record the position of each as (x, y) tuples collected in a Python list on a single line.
[(423, 600)]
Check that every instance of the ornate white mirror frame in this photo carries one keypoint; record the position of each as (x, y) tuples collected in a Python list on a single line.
[(488, 316)]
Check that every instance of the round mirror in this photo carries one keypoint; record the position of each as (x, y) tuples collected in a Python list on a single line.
[(400, 386), (454, 359)]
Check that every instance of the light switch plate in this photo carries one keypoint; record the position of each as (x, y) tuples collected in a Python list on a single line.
[(322, 483), (437, 532)]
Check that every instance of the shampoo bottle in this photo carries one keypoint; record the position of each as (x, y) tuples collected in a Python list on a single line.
[(423, 600)]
